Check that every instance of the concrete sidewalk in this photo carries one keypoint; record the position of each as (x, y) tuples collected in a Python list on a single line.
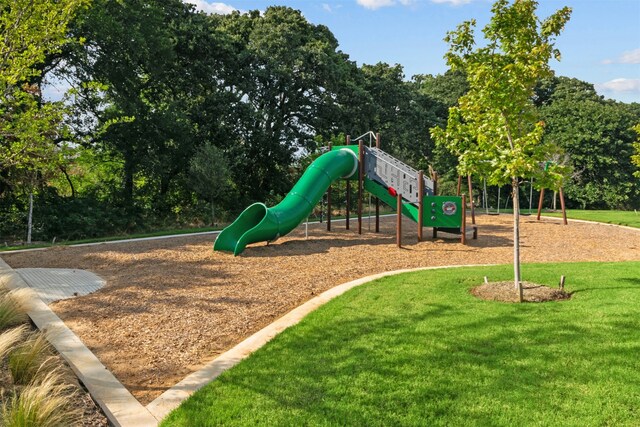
[(53, 284)]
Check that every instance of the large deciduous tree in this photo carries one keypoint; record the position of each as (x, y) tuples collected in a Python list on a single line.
[(287, 90), (635, 158), (596, 134), (494, 130), (29, 33)]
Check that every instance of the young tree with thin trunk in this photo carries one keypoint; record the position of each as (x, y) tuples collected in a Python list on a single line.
[(635, 158), (494, 130)]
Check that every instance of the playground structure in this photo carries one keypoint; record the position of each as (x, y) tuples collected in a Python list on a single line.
[(388, 179)]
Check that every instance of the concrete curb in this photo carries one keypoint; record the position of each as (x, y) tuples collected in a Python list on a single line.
[(109, 242), (118, 404), (172, 398)]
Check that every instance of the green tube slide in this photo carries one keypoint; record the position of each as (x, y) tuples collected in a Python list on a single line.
[(258, 223)]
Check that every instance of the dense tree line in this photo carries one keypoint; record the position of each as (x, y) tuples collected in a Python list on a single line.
[(159, 88)]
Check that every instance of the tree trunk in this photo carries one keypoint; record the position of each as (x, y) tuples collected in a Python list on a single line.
[(30, 219), (128, 179), (516, 237), (213, 214)]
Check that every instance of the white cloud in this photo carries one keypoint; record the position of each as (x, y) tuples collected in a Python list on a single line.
[(620, 85), (375, 4), (628, 57), (452, 2), (631, 57), (213, 8), (326, 7)]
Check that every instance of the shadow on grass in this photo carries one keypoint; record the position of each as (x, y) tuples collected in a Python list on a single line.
[(362, 369)]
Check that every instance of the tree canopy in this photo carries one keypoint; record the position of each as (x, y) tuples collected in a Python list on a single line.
[(30, 32), (156, 83)]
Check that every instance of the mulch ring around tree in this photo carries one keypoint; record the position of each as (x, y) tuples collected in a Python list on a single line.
[(506, 292)]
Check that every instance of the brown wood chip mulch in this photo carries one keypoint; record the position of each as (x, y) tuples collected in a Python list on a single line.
[(531, 292), (172, 305)]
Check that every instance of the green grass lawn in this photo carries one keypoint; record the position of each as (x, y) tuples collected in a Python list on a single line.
[(418, 349), (628, 218)]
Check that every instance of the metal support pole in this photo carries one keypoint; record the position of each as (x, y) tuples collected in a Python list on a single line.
[(463, 226), (530, 195), (540, 202), (420, 203), (360, 183), (399, 220), (485, 202), (564, 211)]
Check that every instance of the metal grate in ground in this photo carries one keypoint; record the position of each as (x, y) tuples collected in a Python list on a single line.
[(53, 284)]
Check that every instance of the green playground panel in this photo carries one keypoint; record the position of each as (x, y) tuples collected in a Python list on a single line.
[(442, 211)]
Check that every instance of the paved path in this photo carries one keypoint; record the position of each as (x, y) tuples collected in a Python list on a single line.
[(53, 284)]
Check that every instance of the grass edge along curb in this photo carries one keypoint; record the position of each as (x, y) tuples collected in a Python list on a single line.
[(568, 362), (627, 219), (173, 397)]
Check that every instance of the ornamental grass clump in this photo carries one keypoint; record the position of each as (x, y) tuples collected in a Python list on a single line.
[(31, 360), (13, 307), (10, 338), (45, 404)]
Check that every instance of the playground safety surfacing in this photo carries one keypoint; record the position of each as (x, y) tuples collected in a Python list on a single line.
[(171, 306)]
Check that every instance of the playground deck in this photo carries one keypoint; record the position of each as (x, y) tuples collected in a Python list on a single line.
[(171, 305)]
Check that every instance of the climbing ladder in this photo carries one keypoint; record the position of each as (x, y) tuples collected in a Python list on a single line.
[(390, 172)]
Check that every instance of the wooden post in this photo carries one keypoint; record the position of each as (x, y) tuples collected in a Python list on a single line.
[(360, 183), (434, 178), (540, 202), (459, 185), (377, 200), (473, 211), (329, 201), (399, 220), (463, 226), (420, 203), (564, 211), (348, 221), (348, 190)]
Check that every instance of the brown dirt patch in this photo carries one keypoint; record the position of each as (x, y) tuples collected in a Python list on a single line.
[(506, 292), (172, 305)]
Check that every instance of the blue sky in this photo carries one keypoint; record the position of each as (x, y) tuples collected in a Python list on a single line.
[(600, 45)]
